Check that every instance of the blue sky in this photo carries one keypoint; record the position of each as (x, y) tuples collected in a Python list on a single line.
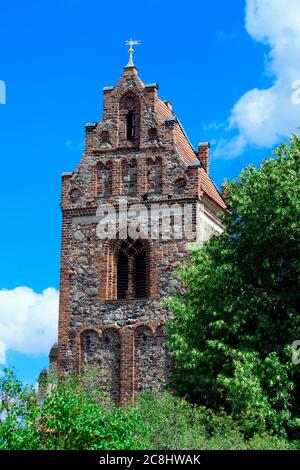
[(227, 67)]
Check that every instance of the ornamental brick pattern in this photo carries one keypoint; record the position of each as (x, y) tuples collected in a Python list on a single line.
[(138, 150)]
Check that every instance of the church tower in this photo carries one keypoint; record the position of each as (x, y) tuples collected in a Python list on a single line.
[(138, 165)]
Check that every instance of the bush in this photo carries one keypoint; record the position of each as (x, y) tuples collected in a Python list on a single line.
[(173, 423), (267, 442), (73, 416)]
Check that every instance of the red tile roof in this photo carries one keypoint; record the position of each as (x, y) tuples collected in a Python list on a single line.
[(162, 109), (208, 186), (183, 146)]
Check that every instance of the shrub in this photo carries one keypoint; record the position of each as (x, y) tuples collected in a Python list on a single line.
[(73, 416), (173, 423)]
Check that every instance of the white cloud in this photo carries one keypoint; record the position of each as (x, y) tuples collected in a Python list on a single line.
[(229, 148), (2, 92), (263, 117), (28, 320)]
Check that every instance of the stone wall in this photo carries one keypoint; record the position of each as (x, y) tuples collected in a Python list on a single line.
[(103, 351), (153, 362)]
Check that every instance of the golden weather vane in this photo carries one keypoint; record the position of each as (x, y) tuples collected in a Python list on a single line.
[(131, 43)]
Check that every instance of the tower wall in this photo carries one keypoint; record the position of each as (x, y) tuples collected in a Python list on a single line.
[(152, 164)]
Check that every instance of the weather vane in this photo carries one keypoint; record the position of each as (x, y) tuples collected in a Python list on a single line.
[(130, 43)]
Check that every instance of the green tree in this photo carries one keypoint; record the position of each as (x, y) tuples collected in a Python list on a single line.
[(74, 415), (234, 326), (18, 413)]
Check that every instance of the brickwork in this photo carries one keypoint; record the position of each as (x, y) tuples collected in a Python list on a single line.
[(140, 151)]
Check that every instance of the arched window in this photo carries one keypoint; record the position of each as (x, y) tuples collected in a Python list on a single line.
[(108, 179), (75, 194), (104, 137), (132, 270), (152, 133), (180, 185), (129, 176), (104, 179), (129, 120), (154, 175)]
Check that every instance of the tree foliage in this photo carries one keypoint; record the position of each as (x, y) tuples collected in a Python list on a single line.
[(234, 326), (74, 415)]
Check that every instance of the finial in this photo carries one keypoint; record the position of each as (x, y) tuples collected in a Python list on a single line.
[(130, 43)]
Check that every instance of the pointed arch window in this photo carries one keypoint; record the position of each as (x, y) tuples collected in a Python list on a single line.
[(104, 179), (104, 137), (152, 134), (132, 270), (129, 176), (129, 120), (154, 175), (180, 185)]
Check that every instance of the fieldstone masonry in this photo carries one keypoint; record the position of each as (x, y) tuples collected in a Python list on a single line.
[(111, 290)]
